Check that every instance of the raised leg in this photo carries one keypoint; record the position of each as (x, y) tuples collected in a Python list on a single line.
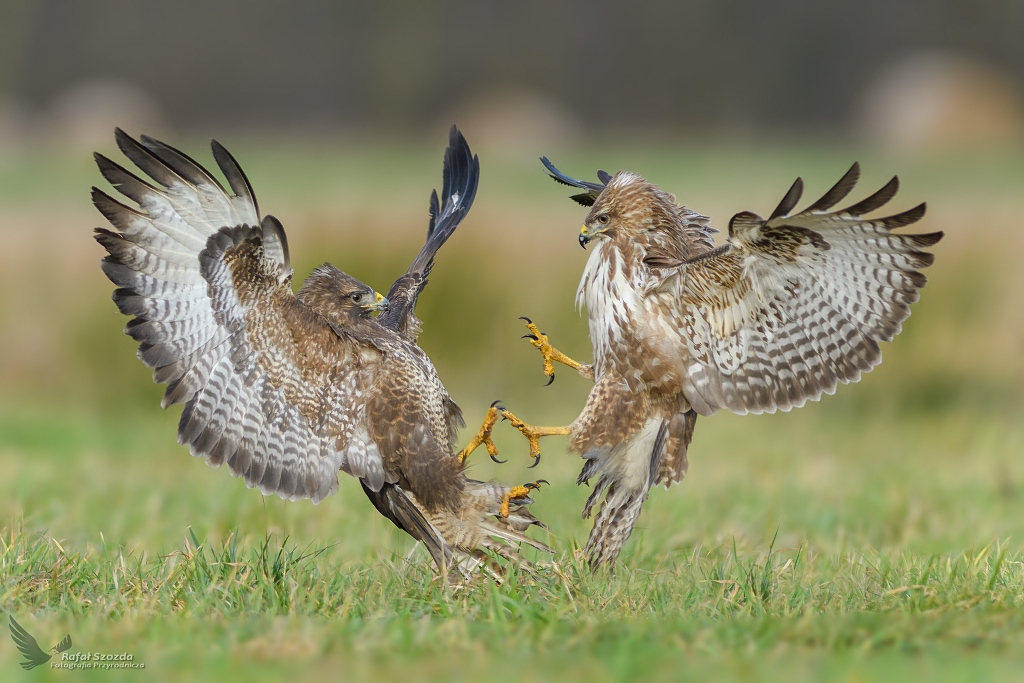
[(483, 436), (533, 434), (552, 355)]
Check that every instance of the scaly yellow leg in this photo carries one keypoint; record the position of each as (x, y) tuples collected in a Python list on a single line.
[(518, 492), (533, 434), (483, 436), (551, 355)]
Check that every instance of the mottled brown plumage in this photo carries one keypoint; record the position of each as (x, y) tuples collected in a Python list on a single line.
[(784, 311), (289, 389)]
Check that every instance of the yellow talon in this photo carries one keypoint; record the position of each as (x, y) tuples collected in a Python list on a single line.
[(517, 492), (533, 434), (514, 492), (550, 354), (483, 436)]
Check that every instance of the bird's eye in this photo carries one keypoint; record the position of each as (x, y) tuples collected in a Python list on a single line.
[(603, 219), (356, 297)]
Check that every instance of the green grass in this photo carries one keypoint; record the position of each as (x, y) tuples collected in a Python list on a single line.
[(798, 547), (873, 536)]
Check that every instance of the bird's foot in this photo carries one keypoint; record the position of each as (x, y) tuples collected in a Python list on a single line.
[(483, 436), (533, 434), (517, 492), (551, 355)]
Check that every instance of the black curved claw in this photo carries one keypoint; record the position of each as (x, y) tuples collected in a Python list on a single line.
[(523, 317), (535, 463), (530, 336), (496, 403), (536, 484), (550, 380), (493, 459)]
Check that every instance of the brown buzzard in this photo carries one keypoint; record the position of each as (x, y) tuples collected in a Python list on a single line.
[(781, 313), (289, 389)]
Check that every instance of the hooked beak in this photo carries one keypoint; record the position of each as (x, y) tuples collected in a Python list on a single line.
[(381, 304), (584, 237)]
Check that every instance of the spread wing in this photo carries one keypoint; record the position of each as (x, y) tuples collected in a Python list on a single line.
[(791, 305), (269, 387), (27, 645), (461, 177), (696, 235)]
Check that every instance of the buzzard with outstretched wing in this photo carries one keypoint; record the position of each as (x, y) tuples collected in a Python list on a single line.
[(287, 389), (785, 310)]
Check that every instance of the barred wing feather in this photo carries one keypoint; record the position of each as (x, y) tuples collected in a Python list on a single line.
[(792, 305), (269, 387)]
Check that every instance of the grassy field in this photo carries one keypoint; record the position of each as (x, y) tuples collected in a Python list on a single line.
[(874, 536)]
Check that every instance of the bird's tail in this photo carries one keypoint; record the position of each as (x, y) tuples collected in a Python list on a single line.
[(394, 503), (459, 541), (613, 526), (621, 507)]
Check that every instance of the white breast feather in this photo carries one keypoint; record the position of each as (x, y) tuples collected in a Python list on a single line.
[(609, 297)]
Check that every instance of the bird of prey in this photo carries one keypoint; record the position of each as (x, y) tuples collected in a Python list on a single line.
[(29, 648), (781, 313), (289, 389)]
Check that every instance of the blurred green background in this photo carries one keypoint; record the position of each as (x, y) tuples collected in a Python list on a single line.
[(339, 116)]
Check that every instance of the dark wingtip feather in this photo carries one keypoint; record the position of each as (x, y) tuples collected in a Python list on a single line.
[(434, 210), (838, 191), (109, 240), (906, 218), (236, 177), (123, 180), (461, 178), (876, 200), (790, 200), (925, 240), (557, 175), (150, 164), (273, 233), (181, 163), (569, 180)]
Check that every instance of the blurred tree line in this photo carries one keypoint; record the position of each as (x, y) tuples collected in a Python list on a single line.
[(400, 65)]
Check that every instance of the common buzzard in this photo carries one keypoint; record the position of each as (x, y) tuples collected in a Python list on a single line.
[(289, 389), (781, 313)]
